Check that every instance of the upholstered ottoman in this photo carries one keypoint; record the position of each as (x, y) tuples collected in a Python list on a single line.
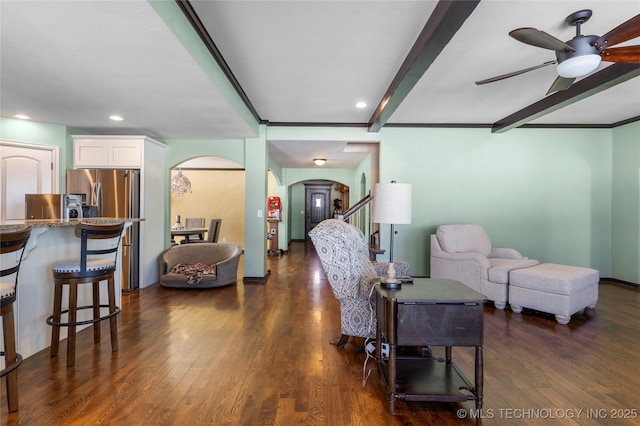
[(556, 289)]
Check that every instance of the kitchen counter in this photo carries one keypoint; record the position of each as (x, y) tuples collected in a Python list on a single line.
[(7, 225), (51, 241)]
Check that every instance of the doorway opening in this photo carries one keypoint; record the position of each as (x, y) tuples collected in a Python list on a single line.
[(217, 192)]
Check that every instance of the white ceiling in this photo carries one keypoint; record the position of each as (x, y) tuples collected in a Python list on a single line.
[(298, 62)]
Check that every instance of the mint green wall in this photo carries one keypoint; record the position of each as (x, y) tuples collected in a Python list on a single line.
[(296, 220), (291, 176), (181, 150), (544, 192), (625, 250), (34, 132), (255, 231)]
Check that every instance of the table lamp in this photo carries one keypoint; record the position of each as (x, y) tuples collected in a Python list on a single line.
[(392, 205)]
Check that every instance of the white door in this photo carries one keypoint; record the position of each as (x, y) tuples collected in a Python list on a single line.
[(25, 169)]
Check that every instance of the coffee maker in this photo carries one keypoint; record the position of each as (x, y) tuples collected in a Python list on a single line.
[(72, 206)]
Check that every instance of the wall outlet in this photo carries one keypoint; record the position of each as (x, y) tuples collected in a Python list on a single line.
[(259, 213), (385, 350)]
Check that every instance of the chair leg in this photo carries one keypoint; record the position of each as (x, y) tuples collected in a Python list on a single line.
[(57, 309), (96, 311), (113, 321), (9, 334), (71, 338), (343, 341)]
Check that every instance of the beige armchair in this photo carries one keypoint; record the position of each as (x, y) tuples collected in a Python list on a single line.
[(224, 256), (345, 258), (464, 253)]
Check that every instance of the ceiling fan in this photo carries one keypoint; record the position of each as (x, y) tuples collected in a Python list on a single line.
[(580, 55)]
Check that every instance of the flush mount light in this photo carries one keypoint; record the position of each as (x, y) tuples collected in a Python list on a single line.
[(319, 161), (578, 66), (115, 118), (361, 105), (22, 117)]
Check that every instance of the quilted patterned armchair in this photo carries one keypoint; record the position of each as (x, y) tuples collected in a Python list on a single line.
[(345, 258)]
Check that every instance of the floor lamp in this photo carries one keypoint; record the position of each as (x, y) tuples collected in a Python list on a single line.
[(392, 205)]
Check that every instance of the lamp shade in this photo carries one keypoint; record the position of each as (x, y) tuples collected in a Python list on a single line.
[(392, 203)]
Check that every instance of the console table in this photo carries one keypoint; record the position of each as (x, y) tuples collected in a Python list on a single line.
[(429, 312)]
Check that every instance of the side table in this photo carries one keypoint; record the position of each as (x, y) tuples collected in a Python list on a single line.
[(429, 312)]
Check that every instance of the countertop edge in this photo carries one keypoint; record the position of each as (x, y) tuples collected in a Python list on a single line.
[(62, 223)]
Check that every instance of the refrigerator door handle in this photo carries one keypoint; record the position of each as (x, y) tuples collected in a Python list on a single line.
[(96, 196)]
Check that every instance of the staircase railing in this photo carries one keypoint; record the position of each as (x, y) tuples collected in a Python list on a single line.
[(356, 207), (374, 248)]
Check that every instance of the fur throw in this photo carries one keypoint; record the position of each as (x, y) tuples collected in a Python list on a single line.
[(195, 272)]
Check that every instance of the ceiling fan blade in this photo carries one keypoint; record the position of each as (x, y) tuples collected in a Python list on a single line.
[(561, 83), (626, 54), (538, 38), (512, 74), (623, 32)]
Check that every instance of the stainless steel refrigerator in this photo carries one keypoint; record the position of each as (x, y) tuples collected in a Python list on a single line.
[(115, 193)]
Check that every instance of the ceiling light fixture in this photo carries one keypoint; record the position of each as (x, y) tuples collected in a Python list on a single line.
[(584, 59), (22, 117), (578, 66), (115, 118), (180, 184), (319, 161), (361, 105)]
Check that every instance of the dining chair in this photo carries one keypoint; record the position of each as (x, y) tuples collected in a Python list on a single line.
[(195, 222), (214, 230)]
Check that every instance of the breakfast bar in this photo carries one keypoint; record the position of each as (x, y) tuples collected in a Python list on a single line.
[(52, 240)]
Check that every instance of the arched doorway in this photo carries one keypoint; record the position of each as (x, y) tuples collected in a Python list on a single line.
[(217, 192)]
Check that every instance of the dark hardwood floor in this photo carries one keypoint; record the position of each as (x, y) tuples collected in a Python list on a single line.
[(259, 354)]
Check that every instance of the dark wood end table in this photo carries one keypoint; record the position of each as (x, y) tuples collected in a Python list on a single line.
[(429, 312)]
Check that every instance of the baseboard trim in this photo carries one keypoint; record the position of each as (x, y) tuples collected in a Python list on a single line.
[(257, 279), (623, 282)]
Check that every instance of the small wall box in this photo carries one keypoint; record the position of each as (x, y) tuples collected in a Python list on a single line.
[(273, 208)]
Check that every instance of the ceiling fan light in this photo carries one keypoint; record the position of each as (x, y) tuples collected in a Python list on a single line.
[(578, 66)]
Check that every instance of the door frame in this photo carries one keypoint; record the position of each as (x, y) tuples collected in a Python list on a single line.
[(55, 165), (315, 187)]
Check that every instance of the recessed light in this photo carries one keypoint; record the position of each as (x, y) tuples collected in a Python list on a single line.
[(319, 161), (22, 117), (361, 105), (115, 118)]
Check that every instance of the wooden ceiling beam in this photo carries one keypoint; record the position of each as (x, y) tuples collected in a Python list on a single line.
[(444, 22), (589, 86)]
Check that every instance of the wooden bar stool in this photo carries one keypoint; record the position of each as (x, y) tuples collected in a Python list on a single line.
[(91, 268), (11, 242)]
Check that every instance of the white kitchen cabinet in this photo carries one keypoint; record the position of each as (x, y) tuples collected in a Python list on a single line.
[(108, 151)]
